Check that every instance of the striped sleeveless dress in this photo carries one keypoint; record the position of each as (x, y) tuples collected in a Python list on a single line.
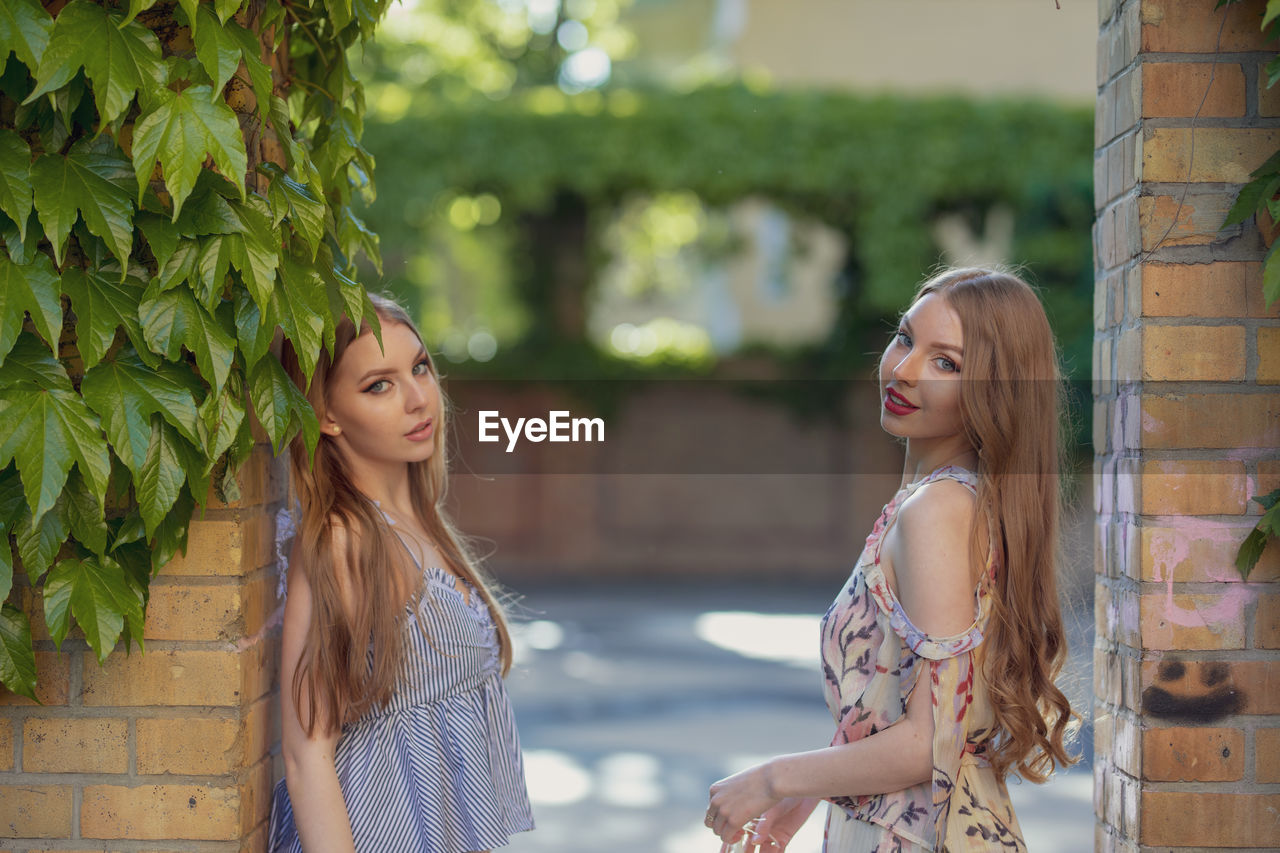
[(438, 770)]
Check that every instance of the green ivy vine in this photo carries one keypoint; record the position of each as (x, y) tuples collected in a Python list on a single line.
[(1260, 199), (176, 188)]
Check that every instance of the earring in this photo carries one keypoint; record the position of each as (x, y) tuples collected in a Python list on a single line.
[(336, 429)]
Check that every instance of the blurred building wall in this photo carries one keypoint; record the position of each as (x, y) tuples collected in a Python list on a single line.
[(693, 479), (981, 47)]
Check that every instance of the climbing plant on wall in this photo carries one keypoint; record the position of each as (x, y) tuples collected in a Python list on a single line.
[(176, 182), (1260, 198)]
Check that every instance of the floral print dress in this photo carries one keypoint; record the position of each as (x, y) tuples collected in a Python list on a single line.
[(873, 657)]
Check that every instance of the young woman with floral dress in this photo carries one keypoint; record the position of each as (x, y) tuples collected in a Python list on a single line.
[(940, 652)]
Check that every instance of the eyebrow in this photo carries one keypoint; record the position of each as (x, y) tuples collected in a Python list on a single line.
[(385, 371), (937, 345)]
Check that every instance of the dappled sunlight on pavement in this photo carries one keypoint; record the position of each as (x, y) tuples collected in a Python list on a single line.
[(632, 699)]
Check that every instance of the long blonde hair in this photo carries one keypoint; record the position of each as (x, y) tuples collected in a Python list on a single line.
[(352, 656), (1012, 401)]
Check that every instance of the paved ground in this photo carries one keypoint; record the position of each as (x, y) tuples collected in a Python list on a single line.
[(632, 699)]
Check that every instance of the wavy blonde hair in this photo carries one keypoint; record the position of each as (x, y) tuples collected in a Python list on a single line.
[(1012, 402), (353, 655)]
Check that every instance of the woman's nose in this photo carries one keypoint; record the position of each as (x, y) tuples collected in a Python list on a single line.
[(416, 396), (905, 370)]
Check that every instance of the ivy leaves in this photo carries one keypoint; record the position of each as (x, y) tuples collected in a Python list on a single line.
[(184, 128), (31, 289), (125, 218), (24, 29), (92, 180), (46, 430), (98, 593), (128, 393), (120, 61), (15, 179)]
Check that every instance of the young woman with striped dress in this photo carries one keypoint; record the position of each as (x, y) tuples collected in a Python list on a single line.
[(397, 731)]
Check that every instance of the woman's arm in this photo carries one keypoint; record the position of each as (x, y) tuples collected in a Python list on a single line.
[(929, 549), (894, 758), (319, 811)]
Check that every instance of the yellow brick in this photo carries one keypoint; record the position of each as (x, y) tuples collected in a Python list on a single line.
[(1193, 487), (1269, 355), (1129, 355), (204, 746), (1200, 26), (70, 745), (1268, 96), (258, 603), (1193, 353), (1193, 755), (1178, 89), (1256, 301), (258, 731), (52, 682), (1201, 552), (255, 796), (1196, 290), (6, 745), (35, 811), (1192, 621), (257, 842), (153, 812), (260, 668), (1166, 220), (1266, 633), (1222, 154), (165, 677), (184, 612), (261, 479), (1212, 421), (1267, 755), (1185, 819), (1268, 479), (213, 548)]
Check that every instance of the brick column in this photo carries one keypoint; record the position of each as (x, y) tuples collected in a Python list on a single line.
[(1186, 428), (167, 749)]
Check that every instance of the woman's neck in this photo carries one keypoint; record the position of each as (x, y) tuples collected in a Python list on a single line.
[(388, 488), (924, 458)]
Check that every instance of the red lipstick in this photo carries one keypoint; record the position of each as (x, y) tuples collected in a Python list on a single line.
[(896, 404)]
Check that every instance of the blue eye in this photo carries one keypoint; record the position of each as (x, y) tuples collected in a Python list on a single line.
[(902, 336), (425, 364), (947, 364), (376, 388)]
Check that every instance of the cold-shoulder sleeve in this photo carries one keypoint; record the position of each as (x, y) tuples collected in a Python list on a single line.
[(951, 686), (945, 665)]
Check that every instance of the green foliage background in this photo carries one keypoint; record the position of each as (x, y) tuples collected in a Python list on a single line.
[(176, 186), (877, 169)]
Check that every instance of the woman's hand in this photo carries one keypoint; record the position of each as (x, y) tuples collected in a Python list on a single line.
[(737, 799), (773, 831), (778, 825)]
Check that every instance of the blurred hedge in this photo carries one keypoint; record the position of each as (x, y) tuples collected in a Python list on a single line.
[(879, 169)]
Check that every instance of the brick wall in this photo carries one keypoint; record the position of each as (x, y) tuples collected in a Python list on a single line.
[(1186, 428), (169, 749)]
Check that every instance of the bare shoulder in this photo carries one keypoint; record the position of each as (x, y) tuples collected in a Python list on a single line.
[(942, 503), (931, 557), (343, 541)]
